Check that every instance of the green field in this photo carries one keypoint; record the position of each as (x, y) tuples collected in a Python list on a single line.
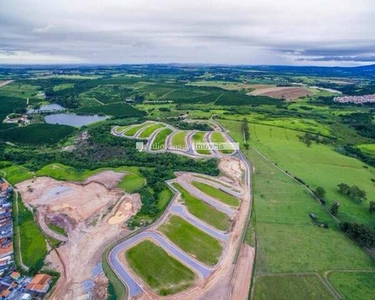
[(217, 194), (199, 137), (308, 287), (368, 149), (134, 129), (33, 244), (218, 137), (354, 285), (15, 174), (160, 139), (147, 132), (163, 273), (113, 109), (132, 183), (203, 210), (192, 240), (179, 140), (164, 197), (287, 240)]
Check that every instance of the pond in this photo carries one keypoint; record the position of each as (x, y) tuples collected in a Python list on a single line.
[(46, 108), (73, 120)]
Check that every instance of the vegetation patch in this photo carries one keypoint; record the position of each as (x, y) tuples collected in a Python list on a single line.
[(37, 134), (203, 210), (147, 132), (114, 109), (163, 273), (218, 137), (160, 139), (179, 140), (353, 285), (217, 194), (291, 288), (199, 138), (192, 240)]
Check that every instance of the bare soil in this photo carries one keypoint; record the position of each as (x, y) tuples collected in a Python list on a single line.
[(287, 93), (84, 210), (109, 179)]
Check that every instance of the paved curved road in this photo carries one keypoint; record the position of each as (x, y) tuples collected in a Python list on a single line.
[(134, 288)]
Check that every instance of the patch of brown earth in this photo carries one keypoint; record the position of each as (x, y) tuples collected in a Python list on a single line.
[(109, 179), (287, 93)]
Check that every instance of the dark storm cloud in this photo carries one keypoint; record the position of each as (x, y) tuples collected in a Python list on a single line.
[(220, 31)]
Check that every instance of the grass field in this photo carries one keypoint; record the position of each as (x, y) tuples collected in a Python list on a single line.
[(368, 149), (217, 194), (163, 273), (291, 288), (163, 198), (179, 140), (203, 210), (217, 137), (147, 132), (33, 244), (131, 183), (15, 174), (318, 165), (134, 129), (160, 139), (354, 286), (287, 240), (199, 244), (199, 137)]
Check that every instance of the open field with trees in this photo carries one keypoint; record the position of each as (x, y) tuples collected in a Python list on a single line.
[(204, 211), (192, 240), (163, 273), (281, 209)]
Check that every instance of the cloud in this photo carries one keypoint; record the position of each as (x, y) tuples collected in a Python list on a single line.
[(147, 31)]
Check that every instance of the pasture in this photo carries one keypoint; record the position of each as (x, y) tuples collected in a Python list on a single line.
[(192, 240), (164, 274)]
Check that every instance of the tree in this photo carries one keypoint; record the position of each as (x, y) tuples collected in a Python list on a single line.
[(372, 207), (357, 194), (320, 192), (335, 208), (245, 129), (344, 188)]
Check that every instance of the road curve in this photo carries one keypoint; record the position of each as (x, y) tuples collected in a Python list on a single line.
[(136, 289)]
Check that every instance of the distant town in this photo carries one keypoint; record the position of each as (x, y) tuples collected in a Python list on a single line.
[(355, 99)]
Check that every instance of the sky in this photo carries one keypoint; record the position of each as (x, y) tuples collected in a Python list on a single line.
[(246, 32)]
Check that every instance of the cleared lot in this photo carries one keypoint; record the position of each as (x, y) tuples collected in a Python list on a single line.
[(217, 194), (163, 273), (197, 243)]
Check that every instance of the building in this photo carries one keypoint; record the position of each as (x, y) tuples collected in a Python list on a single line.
[(40, 283), (15, 275)]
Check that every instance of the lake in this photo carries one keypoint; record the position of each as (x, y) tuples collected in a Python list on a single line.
[(73, 120), (46, 108)]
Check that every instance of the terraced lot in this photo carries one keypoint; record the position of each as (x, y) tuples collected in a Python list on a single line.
[(199, 244), (178, 141), (217, 137), (199, 137), (163, 273), (217, 194), (134, 129), (203, 210), (160, 139), (148, 131)]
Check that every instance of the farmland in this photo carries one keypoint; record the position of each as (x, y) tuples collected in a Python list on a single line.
[(162, 273)]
